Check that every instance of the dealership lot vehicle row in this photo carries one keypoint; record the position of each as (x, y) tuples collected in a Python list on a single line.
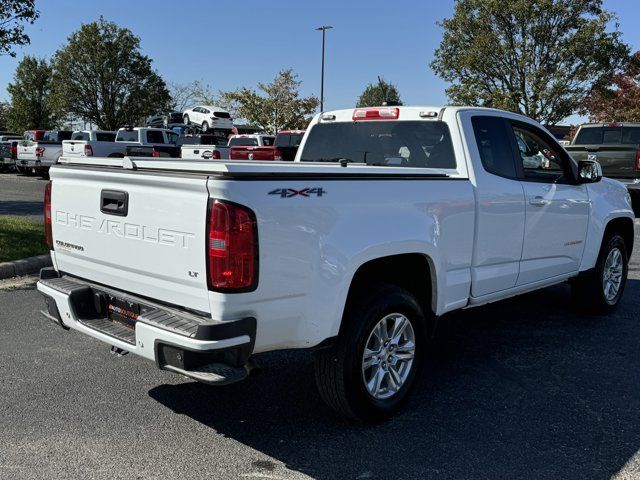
[(208, 133)]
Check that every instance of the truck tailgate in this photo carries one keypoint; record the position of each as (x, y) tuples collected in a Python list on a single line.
[(27, 152), (74, 148), (141, 232), (252, 153)]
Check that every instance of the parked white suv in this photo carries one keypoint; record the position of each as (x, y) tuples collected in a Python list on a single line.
[(209, 117)]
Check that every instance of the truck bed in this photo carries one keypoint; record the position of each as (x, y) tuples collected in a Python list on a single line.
[(305, 219)]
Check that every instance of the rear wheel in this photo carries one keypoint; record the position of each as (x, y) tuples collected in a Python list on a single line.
[(369, 372), (186, 119), (205, 127), (600, 289)]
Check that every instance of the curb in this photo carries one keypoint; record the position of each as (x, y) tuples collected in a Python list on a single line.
[(24, 266)]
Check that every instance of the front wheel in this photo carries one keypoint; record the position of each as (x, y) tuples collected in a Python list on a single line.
[(186, 119), (600, 289), (369, 372)]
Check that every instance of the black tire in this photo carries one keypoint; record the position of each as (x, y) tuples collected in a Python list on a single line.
[(205, 127), (339, 368), (589, 290), (186, 119), (635, 202)]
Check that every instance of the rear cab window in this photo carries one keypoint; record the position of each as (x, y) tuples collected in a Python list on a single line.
[(155, 136), (289, 139), (105, 137), (85, 136), (50, 136), (408, 143), (127, 136), (608, 135), (243, 142), (268, 141)]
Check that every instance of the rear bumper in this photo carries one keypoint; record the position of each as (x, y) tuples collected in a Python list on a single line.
[(181, 342), (37, 163), (7, 161)]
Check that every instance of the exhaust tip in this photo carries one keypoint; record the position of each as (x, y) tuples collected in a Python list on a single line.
[(118, 351), (253, 368)]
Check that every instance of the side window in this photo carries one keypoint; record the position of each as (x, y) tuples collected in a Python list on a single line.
[(541, 161), (268, 141), (492, 138), (155, 136)]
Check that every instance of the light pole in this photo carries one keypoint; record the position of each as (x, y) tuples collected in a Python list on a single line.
[(324, 29)]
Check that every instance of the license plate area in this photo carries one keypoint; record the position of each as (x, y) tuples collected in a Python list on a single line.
[(122, 311)]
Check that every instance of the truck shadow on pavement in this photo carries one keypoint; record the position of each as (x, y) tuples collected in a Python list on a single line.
[(524, 388)]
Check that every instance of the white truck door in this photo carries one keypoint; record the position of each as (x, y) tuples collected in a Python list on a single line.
[(500, 208), (557, 211)]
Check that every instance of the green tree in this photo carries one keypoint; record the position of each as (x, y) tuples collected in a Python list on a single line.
[(536, 57), (276, 106), (13, 15), (375, 94), (101, 76), (31, 101), (4, 107), (619, 100)]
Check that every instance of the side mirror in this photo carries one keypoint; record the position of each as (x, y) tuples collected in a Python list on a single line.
[(589, 171)]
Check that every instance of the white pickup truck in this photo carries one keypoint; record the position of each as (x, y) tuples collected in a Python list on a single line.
[(93, 143), (388, 218), (204, 147), (38, 156)]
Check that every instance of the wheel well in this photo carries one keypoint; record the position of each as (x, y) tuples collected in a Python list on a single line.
[(410, 271), (623, 226)]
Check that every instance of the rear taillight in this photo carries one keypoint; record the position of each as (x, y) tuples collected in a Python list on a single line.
[(155, 153), (88, 151), (637, 159), (48, 236), (126, 152), (215, 154), (232, 247), (39, 151), (14, 152), (277, 155)]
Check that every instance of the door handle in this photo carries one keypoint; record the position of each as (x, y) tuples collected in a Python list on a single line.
[(114, 202), (538, 201)]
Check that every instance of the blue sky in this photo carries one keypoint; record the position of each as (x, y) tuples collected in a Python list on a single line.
[(231, 44)]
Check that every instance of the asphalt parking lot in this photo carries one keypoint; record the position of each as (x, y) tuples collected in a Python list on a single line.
[(525, 388), (21, 195)]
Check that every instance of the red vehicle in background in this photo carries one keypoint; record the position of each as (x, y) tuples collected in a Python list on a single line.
[(284, 146), (287, 142), (33, 135), (253, 147)]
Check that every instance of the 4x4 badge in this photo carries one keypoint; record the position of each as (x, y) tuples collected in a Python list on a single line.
[(292, 192)]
